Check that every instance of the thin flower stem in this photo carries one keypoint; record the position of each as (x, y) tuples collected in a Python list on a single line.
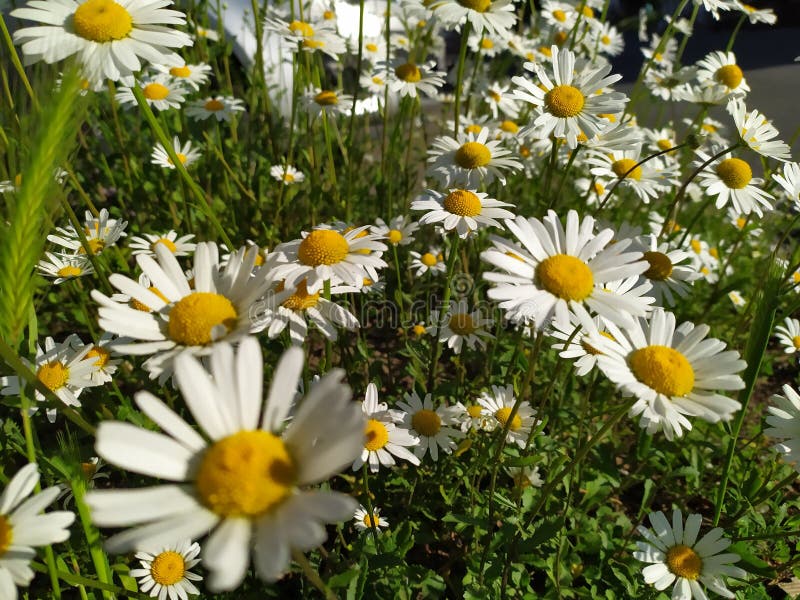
[(312, 575), (12, 51), (445, 308), (736, 29), (685, 39), (462, 57), (373, 527), (73, 579)]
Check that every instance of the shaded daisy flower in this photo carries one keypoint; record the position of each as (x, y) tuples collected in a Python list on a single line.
[(192, 76), (186, 154), (398, 232), (101, 232), (432, 426), (498, 405), (665, 273), (429, 262), (788, 335), (222, 108), (365, 522), (148, 242), (461, 326), (286, 174)]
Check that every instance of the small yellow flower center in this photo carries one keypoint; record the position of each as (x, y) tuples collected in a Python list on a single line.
[(509, 127), (213, 105), (326, 98), (730, 76), (495, 96), (565, 276), (473, 129), (323, 247), (462, 203), (714, 252), (735, 173), (143, 307), (546, 51), (53, 374), (168, 568), (395, 236), (708, 128), (372, 521), (696, 246), (599, 188), (96, 245), (301, 28), (474, 410), (428, 259), (377, 80), (796, 342), (371, 47), (88, 469), (664, 369), (245, 474), (155, 91), (487, 44), (183, 71), (480, 6), (684, 562), (660, 266), (408, 72), (664, 144), (564, 101), (193, 318), (377, 436), (559, 38), (288, 178), (473, 155), (6, 535), (461, 324), (167, 243), (329, 15), (418, 330), (502, 415), (69, 271), (623, 165), (181, 159), (605, 40), (741, 222), (426, 422), (100, 355), (559, 15), (301, 299), (587, 12), (102, 21)]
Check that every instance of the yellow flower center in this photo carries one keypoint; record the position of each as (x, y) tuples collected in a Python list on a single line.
[(183, 71), (735, 173), (100, 355), (213, 105), (6, 535), (473, 155), (428, 259), (377, 80), (462, 203), (168, 568), (301, 299), (475, 410), (408, 72), (566, 277), (426, 422), (664, 369), (418, 330), (559, 15), (495, 96), (155, 91), (660, 266), (326, 98), (509, 127), (323, 247), (371, 47), (559, 38), (96, 245), (730, 76), (708, 128), (605, 40), (53, 374), (599, 188), (302, 28), (664, 144), (546, 51), (102, 21), (480, 6), (796, 342), (372, 521), (696, 246), (564, 101), (741, 222), (193, 318), (587, 12), (461, 324), (329, 15), (143, 307), (623, 165), (473, 129), (395, 236), (377, 436), (181, 159), (69, 271), (714, 252), (502, 415), (487, 44), (245, 474), (167, 243), (684, 562)]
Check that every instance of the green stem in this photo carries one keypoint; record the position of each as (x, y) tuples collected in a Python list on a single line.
[(12, 51), (736, 29), (462, 58), (445, 309), (312, 575)]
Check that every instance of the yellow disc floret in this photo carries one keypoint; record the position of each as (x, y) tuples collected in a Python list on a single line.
[(623, 165), (301, 28), (245, 474), (102, 21), (480, 6), (168, 568), (193, 318), (660, 266), (663, 369), (428, 259), (183, 71), (734, 173), (730, 76), (6, 535), (462, 203), (395, 236), (565, 276), (53, 374), (155, 91), (426, 422), (167, 243), (213, 105), (376, 434), (100, 356), (301, 299), (509, 126), (796, 342), (461, 324), (323, 247), (69, 271), (473, 155), (684, 562), (326, 98), (502, 415), (143, 307), (564, 101), (408, 72)]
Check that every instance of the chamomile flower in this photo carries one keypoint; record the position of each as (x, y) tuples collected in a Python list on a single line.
[(667, 276), (788, 335), (489, 46), (101, 232), (758, 132), (757, 15), (714, 6), (736, 298), (720, 68), (460, 326), (609, 40), (558, 270), (63, 267), (160, 92), (461, 210), (104, 366), (500, 100), (186, 154), (469, 160), (365, 522), (374, 49), (789, 180), (23, 528), (384, 439), (164, 571), (246, 479), (148, 242), (671, 371), (309, 37), (428, 262), (784, 421), (407, 78), (675, 555), (398, 232), (431, 425), (286, 174), (525, 477), (192, 76), (498, 405), (109, 37), (569, 104), (648, 181), (573, 342), (493, 17), (318, 101), (731, 179), (222, 108)]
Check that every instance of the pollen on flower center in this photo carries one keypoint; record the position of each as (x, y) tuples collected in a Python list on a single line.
[(155, 91), (194, 317), (376, 434), (664, 369), (167, 243), (487, 44), (660, 266), (426, 422), (796, 342), (372, 521), (729, 75), (371, 47), (6, 535), (564, 101), (183, 71), (301, 299), (509, 126), (53, 374), (323, 247), (664, 144), (245, 474), (408, 72), (100, 355), (302, 28), (395, 236), (565, 276), (734, 173), (502, 415), (480, 6), (461, 324), (213, 105), (474, 410), (623, 165), (102, 21), (684, 562), (326, 98), (168, 568), (428, 259), (96, 245), (69, 271), (559, 15), (462, 203), (473, 155)]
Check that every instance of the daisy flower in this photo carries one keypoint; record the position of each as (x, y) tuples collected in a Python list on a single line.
[(493, 17), (736, 298), (461, 210), (757, 15), (460, 326), (784, 421), (407, 78), (432, 426), (469, 160), (148, 242), (431, 261), (667, 276), (714, 6), (109, 37), (498, 406), (330, 102), (648, 181), (399, 231), (720, 68), (161, 92), (365, 522), (22, 528), (309, 37), (488, 46), (499, 100), (559, 270), (186, 154), (104, 366), (569, 105), (384, 439), (247, 478), (788, 334), (101, 232), (573, 342), (192, 76), (64, 267), (671, 371), (789, 180), (609, 40), (202, 33), (328, 255), (675, 555), (165, 570), (757, 132), (525, 477), (183, 318), (731, 179), (222, 108), (286, 174), (472, 416)]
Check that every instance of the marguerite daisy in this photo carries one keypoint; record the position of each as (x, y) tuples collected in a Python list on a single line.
[(469, 160), (165, 570), (186, 154), (788, 335), (148, 242), (784, 421), (407, 78), (64, 267), (757, 132), (222, 108), (191, 75), (286, 174), (462, 210), (398, 232), (432, 426), (493, 17), (101, 232), (161, 92), (667, 276), (720, 68), (497, 407), (460, 325), (731, 178), (365, 522)]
